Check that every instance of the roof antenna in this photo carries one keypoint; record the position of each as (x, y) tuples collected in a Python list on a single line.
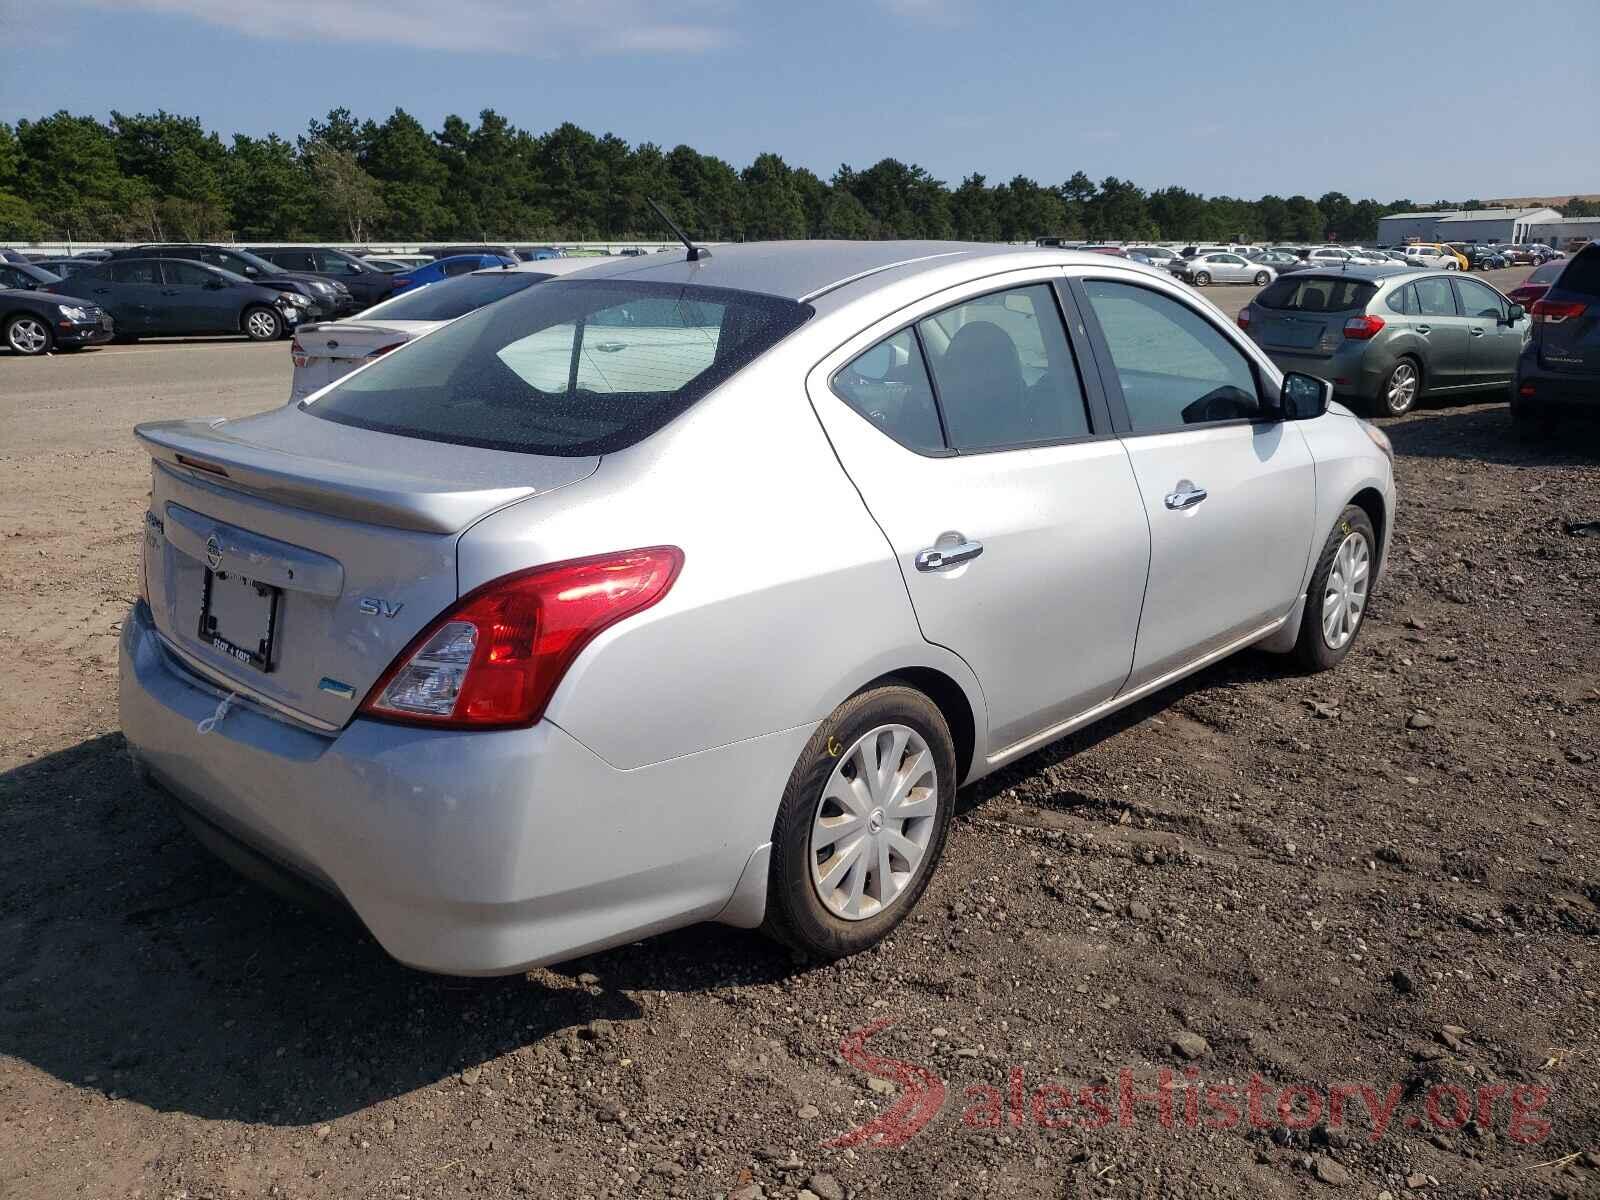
[(696, 253)]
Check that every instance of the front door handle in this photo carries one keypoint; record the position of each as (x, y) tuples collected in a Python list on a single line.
[(942, 557), (1187, 495), (1475, 331), (1424, 328)]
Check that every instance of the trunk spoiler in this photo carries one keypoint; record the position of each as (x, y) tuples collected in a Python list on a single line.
[(458, 489)]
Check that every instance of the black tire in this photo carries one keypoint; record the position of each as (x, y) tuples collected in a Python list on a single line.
[(1201, 278), (261, 324), (1382, 406), (1312, 648), (29, 334), (1261, 279), (796, 914)]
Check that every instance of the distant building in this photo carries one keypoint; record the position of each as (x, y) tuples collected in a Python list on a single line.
[(1562, 232), (1398, 228), (1512, 225)]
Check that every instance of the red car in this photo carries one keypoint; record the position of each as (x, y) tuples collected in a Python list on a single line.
[(1116, 250), (1537, 284)]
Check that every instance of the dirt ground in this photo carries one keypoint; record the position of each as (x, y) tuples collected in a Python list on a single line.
[(1383, 877)]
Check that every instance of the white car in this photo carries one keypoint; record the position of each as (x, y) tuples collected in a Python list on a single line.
[(329, 350)]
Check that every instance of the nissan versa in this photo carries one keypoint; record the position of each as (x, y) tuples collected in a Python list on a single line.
[(692, 587)]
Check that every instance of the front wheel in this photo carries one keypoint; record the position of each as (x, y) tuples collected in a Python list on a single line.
[(862, 823), (1336, 603), (1261, 279), (1201, 279), (261, 324), (28, 334)]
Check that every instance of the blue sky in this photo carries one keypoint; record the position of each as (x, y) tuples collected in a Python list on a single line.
[(1389, 100)]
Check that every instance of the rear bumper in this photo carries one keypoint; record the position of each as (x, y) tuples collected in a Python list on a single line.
[(1354, 369), (1554, 389), (462, 852)]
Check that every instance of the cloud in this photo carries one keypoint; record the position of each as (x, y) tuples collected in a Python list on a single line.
[(533, 28)]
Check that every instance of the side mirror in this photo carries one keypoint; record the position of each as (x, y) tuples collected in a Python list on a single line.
[(1303, 397), (1515, 314)]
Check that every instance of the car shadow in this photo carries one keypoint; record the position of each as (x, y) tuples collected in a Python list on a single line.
[(1486, 434), (1237, 670), (137, 965)]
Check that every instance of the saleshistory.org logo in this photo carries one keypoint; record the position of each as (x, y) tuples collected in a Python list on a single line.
[(1179, 1102)]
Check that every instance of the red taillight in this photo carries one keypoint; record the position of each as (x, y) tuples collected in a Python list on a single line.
[(382, 350), (1525, 390), (1243, 318), (297, 352), (495, 658), (403, 281), (1553, 312), (1361, 328)]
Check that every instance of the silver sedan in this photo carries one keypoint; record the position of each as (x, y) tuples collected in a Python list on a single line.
[(1222, 266), (692, 587)]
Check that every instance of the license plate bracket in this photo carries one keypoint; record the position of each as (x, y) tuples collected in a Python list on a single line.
[(239, 617)]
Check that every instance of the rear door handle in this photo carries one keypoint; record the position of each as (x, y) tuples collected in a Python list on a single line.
[(1187, 496), (939, 558), (1424, 328), (1475, 331)]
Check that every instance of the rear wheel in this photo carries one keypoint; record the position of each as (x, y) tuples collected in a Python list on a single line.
[(862, 823), (28, 334), (1261, 279), (1398, 394), (1336, 603), (1201, 278), (261, 324)]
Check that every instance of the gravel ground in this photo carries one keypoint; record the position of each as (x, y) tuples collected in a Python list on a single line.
[(1383, 877)]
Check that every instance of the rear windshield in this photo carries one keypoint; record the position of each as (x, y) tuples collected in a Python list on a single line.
[(571, 368), (1316, 293), (452, 298), (1582, 272)]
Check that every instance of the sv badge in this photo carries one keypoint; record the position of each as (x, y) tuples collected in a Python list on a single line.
[(372, 606)]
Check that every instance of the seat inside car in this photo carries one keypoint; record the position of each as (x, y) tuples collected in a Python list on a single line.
[(982, 388)]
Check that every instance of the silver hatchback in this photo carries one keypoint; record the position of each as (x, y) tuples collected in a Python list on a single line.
[(1386, 336), (693, 588)]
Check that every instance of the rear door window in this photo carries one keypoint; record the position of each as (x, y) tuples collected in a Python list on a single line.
[(571, 367), (1434, 298), (1003, 371), (330, 263), (143, 270), (888, 385), (463, 265), (1403, 301)]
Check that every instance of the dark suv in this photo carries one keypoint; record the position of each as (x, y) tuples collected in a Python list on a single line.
[(367, 284), (327, 297), (1560, 366)]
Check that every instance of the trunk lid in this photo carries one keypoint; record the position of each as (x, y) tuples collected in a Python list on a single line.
[(325, 352), (293, 558)]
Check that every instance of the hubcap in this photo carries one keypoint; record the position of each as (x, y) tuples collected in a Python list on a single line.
[(874, 822), (262, 325), (1402, 388), (28, 336), (1344, 601)]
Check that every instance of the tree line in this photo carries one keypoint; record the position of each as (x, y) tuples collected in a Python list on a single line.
[(161, 176)]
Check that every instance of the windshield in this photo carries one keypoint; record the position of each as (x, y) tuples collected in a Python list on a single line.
[(452, 298), (570, 368), (1316, 293)]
